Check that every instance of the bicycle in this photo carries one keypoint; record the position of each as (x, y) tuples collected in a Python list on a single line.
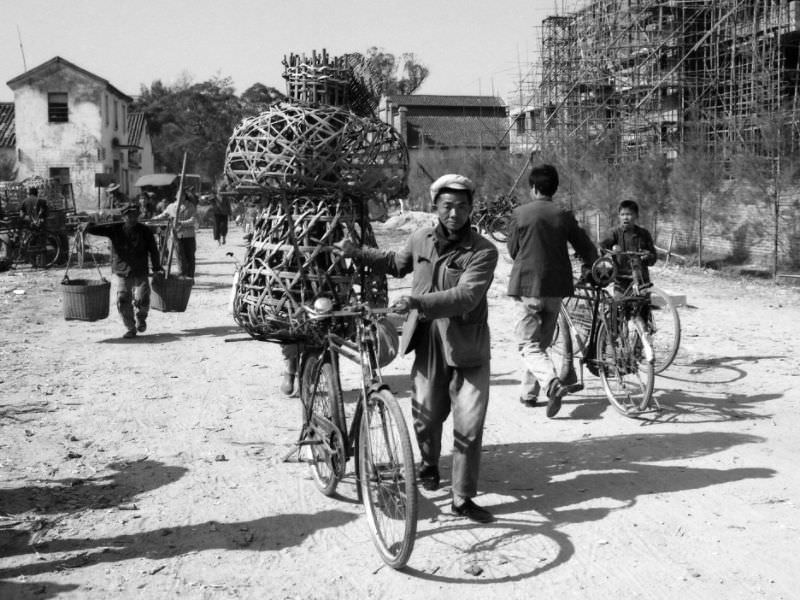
[(608, 336), (494, 218), (30, 244), (662, 322), (377, 435)]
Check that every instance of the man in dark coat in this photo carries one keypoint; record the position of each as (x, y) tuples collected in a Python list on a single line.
[(447, 327), (131, 244), (541, 277)]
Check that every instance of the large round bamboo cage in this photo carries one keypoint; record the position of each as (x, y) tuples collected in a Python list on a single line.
[(295, 147), (290, 263)]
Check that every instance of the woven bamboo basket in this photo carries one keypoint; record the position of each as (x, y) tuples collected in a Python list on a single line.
[(85, 299), (170, 294), (298, 148), (290, 263)]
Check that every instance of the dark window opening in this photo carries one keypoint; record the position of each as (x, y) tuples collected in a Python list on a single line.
[(57, 109)]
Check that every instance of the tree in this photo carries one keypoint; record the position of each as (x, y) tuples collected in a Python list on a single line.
[(258, 97), (377, 74), (196, 118)]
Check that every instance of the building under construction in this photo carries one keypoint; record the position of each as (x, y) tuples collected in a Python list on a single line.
[(663, 74)]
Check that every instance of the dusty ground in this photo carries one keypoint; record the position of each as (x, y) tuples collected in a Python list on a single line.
[(153, 468)]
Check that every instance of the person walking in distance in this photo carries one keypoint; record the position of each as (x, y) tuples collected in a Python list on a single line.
[(185, 223), (447, 327), (131, 245), (541, 276)]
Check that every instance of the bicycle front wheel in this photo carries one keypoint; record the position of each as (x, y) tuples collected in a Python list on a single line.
[(664, 328), (387, 478), (626, 368), (320, 392)]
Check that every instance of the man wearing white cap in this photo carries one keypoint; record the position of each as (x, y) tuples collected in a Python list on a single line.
[(448, 329)]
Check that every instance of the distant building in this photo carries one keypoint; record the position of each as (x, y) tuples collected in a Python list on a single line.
[(440, 130), (75, 126)]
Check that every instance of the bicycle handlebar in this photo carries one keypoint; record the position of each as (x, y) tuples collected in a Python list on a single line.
[(354, 310)]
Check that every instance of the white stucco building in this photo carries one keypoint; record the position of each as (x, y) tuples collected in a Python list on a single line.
[(73, 125)]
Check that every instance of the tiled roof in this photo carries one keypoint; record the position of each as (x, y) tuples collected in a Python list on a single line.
[(457, 132), (135, 128), (58, 62), (460, 101), (8, 137)]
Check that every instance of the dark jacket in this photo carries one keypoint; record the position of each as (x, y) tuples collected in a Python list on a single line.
[(451, 290), (537, 241), (129, 248), (632, 239)]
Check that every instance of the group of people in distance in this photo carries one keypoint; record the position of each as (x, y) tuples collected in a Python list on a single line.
[(447, 314), (133, 243)]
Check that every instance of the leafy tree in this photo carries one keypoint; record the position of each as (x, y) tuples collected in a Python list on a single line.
[(194, 118), (378, 73), (258, 97)]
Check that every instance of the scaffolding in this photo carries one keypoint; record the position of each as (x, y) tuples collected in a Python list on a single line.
[(644, 75)]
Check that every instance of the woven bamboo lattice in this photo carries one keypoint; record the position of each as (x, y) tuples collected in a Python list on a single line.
[(317, 79), (290, 264), (293, 147)]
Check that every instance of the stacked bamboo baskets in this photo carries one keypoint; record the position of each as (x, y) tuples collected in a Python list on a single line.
[(312, 167)]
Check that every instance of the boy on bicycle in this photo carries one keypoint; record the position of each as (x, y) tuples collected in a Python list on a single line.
[(630, 237)]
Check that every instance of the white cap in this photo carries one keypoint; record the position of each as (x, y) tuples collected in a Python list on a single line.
[(451, 181)]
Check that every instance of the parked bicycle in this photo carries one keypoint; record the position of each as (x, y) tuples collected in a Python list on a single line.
[(31, 244), (493, 218), (608, 336), (377, 435)]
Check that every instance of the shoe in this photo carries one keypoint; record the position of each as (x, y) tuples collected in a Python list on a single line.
[(428, 476), (472, 511), (528, 400), (141, 326), (287, 384), (555, 392), (131, 333)]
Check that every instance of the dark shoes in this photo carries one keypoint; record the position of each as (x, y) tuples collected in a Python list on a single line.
[(287, 384), (141, 326), (529, 400), (428, 477), (472, 511), (131, 333), (555, 392)]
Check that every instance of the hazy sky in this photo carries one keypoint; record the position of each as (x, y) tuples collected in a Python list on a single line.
[(470, 46)]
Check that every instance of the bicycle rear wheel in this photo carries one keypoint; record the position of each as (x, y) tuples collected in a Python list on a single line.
[(387, 478), (498, 228), (626, 368), (664, 328), (42, 249), (320, 389)]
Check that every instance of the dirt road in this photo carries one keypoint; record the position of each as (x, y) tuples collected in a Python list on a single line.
[(153, 468)]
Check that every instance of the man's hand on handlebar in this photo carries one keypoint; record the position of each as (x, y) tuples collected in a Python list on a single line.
[(404, 305)]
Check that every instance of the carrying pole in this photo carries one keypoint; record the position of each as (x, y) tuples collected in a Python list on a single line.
[(173, 234)]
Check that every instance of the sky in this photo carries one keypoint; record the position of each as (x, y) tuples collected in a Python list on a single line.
[(469, 46)]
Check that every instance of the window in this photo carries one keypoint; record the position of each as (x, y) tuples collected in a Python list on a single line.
[(57, 109), (107, 111), (116, 115), (124, 119)]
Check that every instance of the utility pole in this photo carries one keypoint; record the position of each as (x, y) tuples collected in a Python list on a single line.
[(22, 50)]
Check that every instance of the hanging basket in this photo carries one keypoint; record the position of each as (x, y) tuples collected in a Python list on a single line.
[(85, 299), (170, 294)]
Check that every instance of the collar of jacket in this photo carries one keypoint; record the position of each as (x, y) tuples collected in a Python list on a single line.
[(466, 243)]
